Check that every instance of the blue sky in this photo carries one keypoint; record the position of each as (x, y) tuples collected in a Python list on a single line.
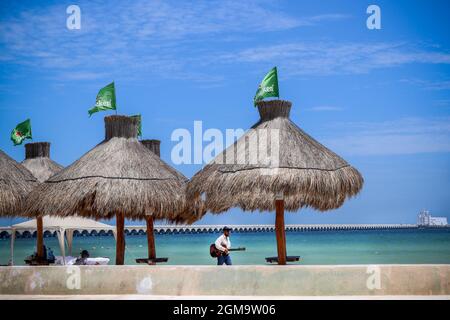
[(379, 98)]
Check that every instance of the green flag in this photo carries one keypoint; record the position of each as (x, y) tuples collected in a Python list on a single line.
[(268, 86), (138, 116), (106, 99), (21, 132)]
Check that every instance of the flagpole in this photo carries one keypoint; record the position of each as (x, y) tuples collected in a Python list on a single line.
[(114, 91)]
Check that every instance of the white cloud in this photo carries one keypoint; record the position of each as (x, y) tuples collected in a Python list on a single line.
[(157, 37), (320, 58), (83, 75), (326, 17), (186, 40), (429, 85), (403, 136), (325, 108)]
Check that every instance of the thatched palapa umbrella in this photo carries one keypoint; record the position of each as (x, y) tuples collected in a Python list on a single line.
[(38, 162), (15, 183), (117, 178), (275, 166), (154, 146)]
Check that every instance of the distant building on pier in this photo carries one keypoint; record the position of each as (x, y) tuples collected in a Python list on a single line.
[(426, 219)]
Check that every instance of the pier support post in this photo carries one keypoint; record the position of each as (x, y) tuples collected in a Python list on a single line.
[(39, 238), (280, 232), (120, 243), (150, 237)]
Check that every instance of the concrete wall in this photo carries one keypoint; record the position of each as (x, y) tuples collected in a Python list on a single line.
[(236, 280)]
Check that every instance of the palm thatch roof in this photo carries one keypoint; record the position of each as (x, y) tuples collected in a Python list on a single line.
[(155, 146), (188, 217), (38, 162), (294, 165), (119, 175), (15, 183)]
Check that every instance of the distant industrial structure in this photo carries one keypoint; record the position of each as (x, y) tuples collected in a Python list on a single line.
[(425, 219)]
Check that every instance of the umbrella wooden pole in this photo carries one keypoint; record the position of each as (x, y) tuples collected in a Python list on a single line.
[(39, 238), (120, 243), (150, 238), (153, 146), (281, 235)]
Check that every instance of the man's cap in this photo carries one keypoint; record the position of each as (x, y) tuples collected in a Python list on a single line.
[(226, 229)]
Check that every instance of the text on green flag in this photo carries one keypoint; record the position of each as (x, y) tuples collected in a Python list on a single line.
[(106, 99), (268, 86), (21, 132)]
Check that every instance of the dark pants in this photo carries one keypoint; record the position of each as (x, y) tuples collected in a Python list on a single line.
[(224, 259)]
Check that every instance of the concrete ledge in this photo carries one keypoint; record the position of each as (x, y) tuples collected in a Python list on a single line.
[(175, 281)]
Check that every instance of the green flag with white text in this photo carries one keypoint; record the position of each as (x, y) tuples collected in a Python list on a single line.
[(138, 116), (21, 132), (106, 99), (268, 86)]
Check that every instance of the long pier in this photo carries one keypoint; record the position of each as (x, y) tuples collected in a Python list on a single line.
[(193, 229)]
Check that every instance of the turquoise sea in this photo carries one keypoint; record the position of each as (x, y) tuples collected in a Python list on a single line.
[(317, 247)]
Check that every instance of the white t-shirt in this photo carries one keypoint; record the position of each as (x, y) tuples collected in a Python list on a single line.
[(223, 242)]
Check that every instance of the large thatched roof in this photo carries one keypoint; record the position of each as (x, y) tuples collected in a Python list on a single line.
[(119, 175), (15, 183), (305, 172), (186, 217), (155, 146), (38, 162)]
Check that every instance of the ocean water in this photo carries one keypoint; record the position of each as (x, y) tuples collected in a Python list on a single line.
[(319, 247)]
